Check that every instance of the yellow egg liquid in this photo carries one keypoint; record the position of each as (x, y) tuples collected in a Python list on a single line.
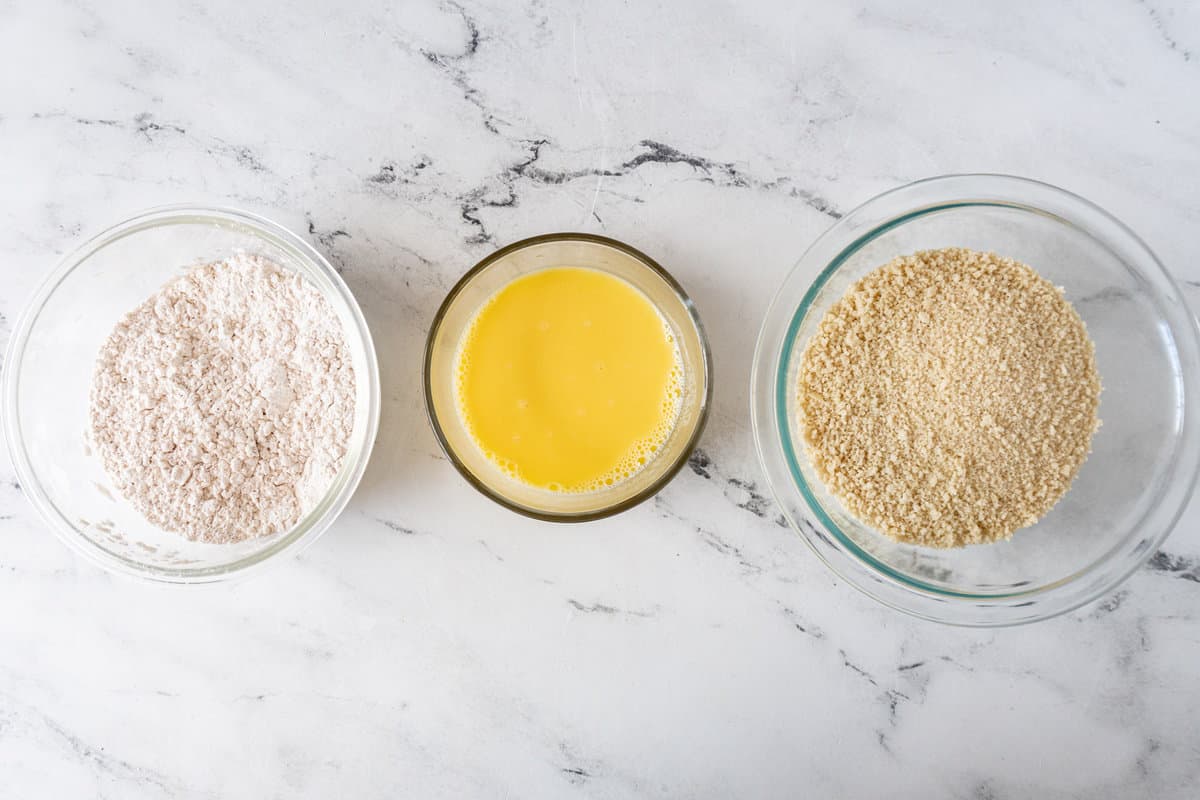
[(569, 379)]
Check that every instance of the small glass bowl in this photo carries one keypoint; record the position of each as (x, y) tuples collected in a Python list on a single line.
[(1144, 460), (49, 367), (560, 250)]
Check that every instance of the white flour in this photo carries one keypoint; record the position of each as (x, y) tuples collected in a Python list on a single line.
[(221, 407)]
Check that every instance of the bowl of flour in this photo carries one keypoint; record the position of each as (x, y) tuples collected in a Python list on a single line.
[(190, 394)]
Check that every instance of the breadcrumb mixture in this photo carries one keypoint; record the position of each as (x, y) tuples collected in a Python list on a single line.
[(949, 398)]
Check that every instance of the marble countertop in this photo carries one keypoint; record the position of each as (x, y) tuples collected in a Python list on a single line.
[(434, 645)]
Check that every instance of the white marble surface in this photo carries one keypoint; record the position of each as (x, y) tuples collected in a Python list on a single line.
[(434, 645)]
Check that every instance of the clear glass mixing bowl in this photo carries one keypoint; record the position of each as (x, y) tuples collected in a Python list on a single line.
[(48, 372), (557, 250), (1144, 458)]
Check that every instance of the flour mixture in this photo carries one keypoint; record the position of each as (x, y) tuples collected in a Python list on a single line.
[(222, 406)]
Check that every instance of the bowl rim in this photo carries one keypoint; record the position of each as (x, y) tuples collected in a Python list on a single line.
[(313, 524), (843, 557), (706, 394)]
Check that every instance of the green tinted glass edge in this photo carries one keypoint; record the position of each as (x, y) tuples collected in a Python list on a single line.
[(781, 397)]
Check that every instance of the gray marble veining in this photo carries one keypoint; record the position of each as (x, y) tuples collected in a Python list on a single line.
[(433, 644)]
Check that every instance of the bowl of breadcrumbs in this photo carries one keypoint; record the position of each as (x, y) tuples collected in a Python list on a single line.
[(975, 397)]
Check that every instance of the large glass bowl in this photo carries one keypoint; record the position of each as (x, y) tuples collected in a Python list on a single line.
[(1144, 458), (559, 250), (51, 359)]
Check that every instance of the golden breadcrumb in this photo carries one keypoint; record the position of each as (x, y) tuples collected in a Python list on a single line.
[(949, 398)]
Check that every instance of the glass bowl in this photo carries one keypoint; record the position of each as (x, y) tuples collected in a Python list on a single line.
[(557, 250), (49, 366), (1143, 465)]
